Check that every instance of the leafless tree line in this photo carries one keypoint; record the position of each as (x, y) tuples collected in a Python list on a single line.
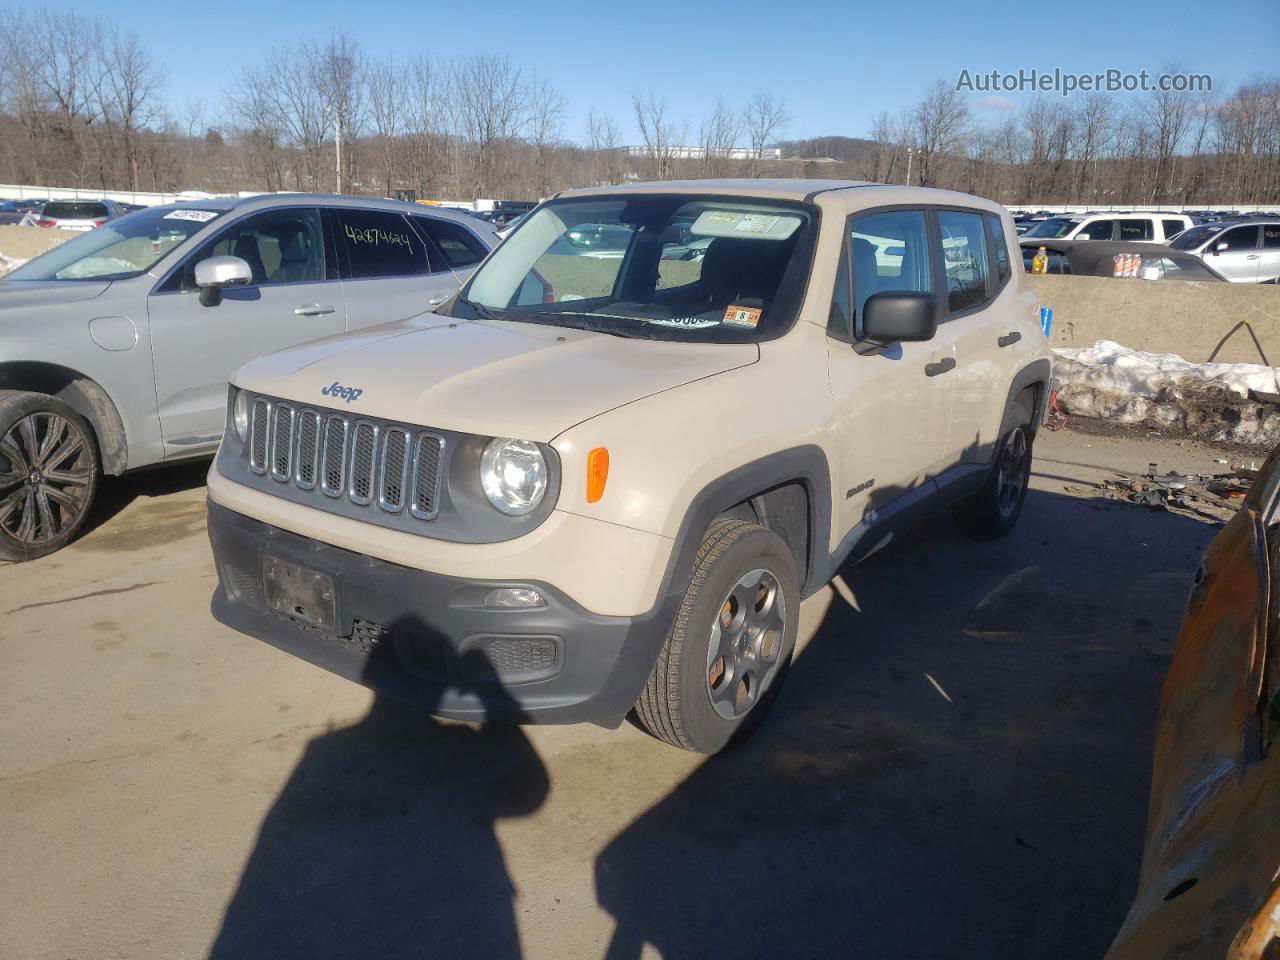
[(1165, 147), (81, 105)]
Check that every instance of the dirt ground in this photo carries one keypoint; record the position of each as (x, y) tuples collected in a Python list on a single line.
[(958, 766), (23, 243)]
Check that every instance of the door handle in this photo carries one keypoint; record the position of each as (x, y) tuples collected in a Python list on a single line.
[(312, 310), (1009, 339), (1252, 256), (942, 366)]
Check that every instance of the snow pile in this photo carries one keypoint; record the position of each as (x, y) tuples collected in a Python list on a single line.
[(1209, 401), (10, 263)]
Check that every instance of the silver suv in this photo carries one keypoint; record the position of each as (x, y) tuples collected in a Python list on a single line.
[(1243, 252), (115, 347)]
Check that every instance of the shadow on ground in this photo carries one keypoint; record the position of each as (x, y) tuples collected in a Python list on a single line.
[(116, 493), (382, 843), (957, 768)]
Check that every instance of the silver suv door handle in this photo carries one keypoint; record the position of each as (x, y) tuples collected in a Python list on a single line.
[(942, 366), (1252, 256), (1009, 339), (312, 310)]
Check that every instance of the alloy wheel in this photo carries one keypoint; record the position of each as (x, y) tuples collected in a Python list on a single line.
[(1012, 477), (745, 645), (45, 471)]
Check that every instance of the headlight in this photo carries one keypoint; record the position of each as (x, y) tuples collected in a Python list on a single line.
[(240, 415), (513, 475)]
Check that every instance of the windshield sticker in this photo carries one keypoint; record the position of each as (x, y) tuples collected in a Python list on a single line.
[(375, 237), (742, 316), (199, 216)]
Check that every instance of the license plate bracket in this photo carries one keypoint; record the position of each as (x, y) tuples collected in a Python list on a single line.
[(300, 593)]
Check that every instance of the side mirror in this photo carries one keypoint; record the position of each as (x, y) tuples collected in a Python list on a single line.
[(214, 274), (1219, 247), (899, 316)]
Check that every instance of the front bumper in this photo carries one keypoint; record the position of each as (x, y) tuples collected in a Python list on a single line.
[(427, 638)]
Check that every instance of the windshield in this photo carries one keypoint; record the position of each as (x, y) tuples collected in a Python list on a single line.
[(124, 247), (1053, 228), (1190, 239), (695, 268)]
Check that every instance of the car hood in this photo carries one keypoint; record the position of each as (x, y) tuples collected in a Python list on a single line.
[(38, 293), (497, 378)]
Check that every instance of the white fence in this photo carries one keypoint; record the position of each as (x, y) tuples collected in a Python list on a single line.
[(18, 191)]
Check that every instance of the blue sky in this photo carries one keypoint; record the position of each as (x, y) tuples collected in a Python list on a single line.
[(836, 63)]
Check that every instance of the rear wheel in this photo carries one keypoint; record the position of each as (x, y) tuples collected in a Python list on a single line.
[(993, 510), (728, 651), (48, 474)]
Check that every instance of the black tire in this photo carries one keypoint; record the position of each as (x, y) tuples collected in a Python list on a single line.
[(48, 474), (744, 592), (992, 511)]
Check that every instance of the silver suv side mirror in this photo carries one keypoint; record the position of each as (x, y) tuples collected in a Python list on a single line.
[(214, 274)]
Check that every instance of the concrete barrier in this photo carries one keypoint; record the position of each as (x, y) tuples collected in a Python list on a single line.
[(1189, 318)]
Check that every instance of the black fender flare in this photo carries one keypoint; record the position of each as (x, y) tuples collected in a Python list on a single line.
[(1037, 373), (806, 465)]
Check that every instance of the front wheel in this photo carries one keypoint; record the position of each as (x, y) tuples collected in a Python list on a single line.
[(728, 651), (48, 474)]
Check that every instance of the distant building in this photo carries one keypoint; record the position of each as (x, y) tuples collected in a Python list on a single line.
[(699, 153)]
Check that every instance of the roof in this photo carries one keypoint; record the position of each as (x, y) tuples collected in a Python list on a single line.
[(265, 201), (851, 194)]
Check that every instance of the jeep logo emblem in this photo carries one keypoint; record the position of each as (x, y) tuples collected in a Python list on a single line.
[(336, 389)]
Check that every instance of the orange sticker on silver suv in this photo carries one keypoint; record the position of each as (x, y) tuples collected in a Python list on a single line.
[(742, 316)]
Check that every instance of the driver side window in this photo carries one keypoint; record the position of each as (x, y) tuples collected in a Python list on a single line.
[(280, 246)]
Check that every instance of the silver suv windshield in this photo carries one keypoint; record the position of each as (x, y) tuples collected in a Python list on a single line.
[(121, 248), (1192, 238), (668, 267)]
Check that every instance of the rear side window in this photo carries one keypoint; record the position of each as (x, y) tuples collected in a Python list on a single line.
[(964, 254), (995, 230), (1135, 230), (1172, 227), (75, 210), (459, 246), (889, 251), (378, 243), (1271, 236), (1098, 230)]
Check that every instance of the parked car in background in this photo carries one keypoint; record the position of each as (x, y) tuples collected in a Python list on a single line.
[(1243, 251), (115, 346), (1095, 258), (77, 214), (532, 500), (1210, 879), (9, 212), (1153, 227)]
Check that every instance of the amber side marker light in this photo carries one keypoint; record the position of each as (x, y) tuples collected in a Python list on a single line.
[(597, 473)]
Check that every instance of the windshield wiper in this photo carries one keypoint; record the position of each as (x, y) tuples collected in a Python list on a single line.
[(485, 313)]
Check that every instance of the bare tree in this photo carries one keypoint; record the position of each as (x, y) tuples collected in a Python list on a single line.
[(718, 136), (940, 122), (604, 140), (489, 103), (130, 91), (765, 117), (388, 108), (546, 127), (660, 132)]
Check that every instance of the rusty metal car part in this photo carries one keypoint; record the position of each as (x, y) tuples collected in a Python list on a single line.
[(1210, 881)]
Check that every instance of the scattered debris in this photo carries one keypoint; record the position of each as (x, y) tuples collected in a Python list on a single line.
[(1215, 496)]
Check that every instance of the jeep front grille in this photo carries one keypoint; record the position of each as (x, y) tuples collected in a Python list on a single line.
[(364, 462)]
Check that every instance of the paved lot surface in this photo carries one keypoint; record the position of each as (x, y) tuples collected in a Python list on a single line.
[(958, 766)]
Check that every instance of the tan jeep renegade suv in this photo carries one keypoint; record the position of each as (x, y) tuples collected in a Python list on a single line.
[(603, 477)]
